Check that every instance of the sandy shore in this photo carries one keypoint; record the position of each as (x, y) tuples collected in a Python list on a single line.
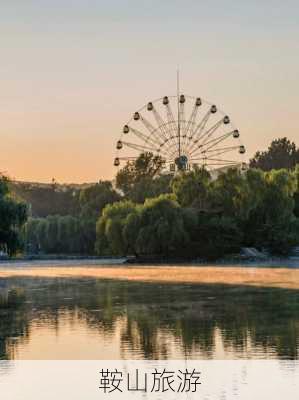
[(264, 277)]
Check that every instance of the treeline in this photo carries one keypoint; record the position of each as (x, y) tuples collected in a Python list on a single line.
[(149, 213), (59, 235), (70, 234), (206, 218)]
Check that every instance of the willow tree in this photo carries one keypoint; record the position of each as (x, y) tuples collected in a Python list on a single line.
[(192, 188), (13, 215), (110, 237), (161, 227)]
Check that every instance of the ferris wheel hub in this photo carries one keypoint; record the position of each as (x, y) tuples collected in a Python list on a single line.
[(181, 162)]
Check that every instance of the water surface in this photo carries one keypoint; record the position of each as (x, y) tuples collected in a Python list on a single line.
[(90, 318)]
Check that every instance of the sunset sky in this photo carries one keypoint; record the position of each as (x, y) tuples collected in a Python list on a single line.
[(72, 72)]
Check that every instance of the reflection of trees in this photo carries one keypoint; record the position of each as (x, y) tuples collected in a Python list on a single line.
[(266, 318), (13, 322), (151, 317)]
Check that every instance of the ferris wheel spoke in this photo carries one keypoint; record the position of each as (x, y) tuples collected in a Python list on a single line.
[(213, 142), (184, 142), (214, 162), (197, 133), (142, 136), (169, 142), (221, 160), (165, 148), (192, 118), (227, 148), (165, 151), (216, 152), (207, 134), (172, 149), (160, 123), (171, 153), (191, 122), (182, 122), (219, 152), (182, 116), (139, 147), (172, 123), (175, 153), (152, 130)]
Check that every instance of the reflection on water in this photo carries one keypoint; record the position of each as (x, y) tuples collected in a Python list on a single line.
[(97, 319)]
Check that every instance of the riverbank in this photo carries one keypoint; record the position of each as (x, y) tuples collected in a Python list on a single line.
[(246, 275)]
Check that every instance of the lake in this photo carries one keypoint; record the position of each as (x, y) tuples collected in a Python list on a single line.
[(90, 318)]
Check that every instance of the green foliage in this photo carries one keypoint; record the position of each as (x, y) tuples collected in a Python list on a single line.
[(59, 235), (228, 194), (156, 228), (68, 234), (13, 215), (110, 228), (94, 198), (205, 218), (192, 188), (270, 223), (217, 236), (148, 187), (161, 227), (141, 179), (296, 194), (188, 215), (281, 154)]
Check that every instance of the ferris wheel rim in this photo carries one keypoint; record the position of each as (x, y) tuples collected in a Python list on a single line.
[(219, 110), (156, 149)]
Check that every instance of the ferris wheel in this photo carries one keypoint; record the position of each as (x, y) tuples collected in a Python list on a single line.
[(187, 132)]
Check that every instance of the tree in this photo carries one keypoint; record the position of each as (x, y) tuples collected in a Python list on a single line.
[(261, 204), (271, 221), (279, 211), (228, 194), (155, 228), (94, 198), (67, 234), (191, 188), (160, 229), (148, 187), (31, 236), (92, 202), (13, 215), (281, 154), (296, 194), (217, 236), (110, 227), (59, 235), (141, 179)]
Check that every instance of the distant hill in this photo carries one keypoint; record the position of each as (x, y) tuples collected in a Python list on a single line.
[(58, 185), (45, 199)]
